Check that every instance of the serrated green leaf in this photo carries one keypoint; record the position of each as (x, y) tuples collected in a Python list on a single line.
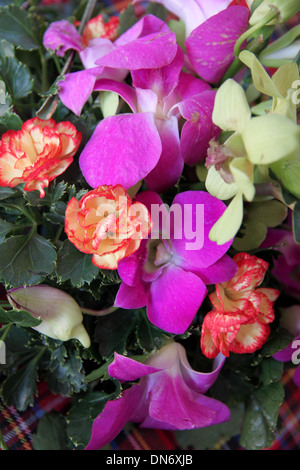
[(74, 265), (261, 417), (21, 318), (18, 27), (20, 387), (82, 414), (65, 374), (26, 260), (51, 432)]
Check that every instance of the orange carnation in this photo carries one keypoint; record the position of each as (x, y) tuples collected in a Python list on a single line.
[(106, 224), (38, 153), (242, 311), (96, 28)]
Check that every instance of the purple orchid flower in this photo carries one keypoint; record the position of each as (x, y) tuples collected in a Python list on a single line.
[(170, 271), (147, 44), (146, 144), (192, 12), (169, 395), (290, 320), (212, 29)]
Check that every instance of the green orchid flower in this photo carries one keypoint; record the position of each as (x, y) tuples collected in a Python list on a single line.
[(254, 143)]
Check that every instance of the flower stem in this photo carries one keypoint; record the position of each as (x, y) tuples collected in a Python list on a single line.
[(6, 330), (99, 313), (250, 32)]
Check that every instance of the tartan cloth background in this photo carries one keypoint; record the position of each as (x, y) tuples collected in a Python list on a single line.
[(18, 428)]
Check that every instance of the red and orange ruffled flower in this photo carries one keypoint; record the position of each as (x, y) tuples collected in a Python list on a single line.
[(38, 153), (97, 28), (239, 321), (106, 224)]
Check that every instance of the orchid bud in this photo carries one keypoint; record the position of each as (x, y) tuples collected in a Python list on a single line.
[(60, 315), (276, 11)]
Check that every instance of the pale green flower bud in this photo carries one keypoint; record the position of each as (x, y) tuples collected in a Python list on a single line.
[(60, 314), (281, 10)]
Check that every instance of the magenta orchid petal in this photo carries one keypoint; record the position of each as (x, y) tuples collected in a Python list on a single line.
[(154, 203), (200, 381), (172, 402), (170, 165), (148, 24), (207, 209), (127, 369), (210, 46), (168, 396), (221, 271), (75, 89), (62, 36), (131, 296), (168, 308), (129, 268), (296, 376), (97, 48), (125, 91), (192, 12), (152, 51), (108, 158), (162, 80), (114, 417), (199, 128), (146, 100), (188, 86)]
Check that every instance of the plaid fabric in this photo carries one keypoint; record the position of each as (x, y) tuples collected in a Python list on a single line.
[(18, 428)]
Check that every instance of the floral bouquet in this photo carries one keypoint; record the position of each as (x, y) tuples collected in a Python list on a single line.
[(150, 216)]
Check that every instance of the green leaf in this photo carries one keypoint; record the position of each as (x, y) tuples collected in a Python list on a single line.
[(21, 318), (261, 417), (65, 374), (112, 331), (20, 387), (157, 10), (127, 19), (5, 228), (26, 259), (148, 336), (82, 414), (74, 265), (18, 27), (51, 433), (16, 76), (271, 371)]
